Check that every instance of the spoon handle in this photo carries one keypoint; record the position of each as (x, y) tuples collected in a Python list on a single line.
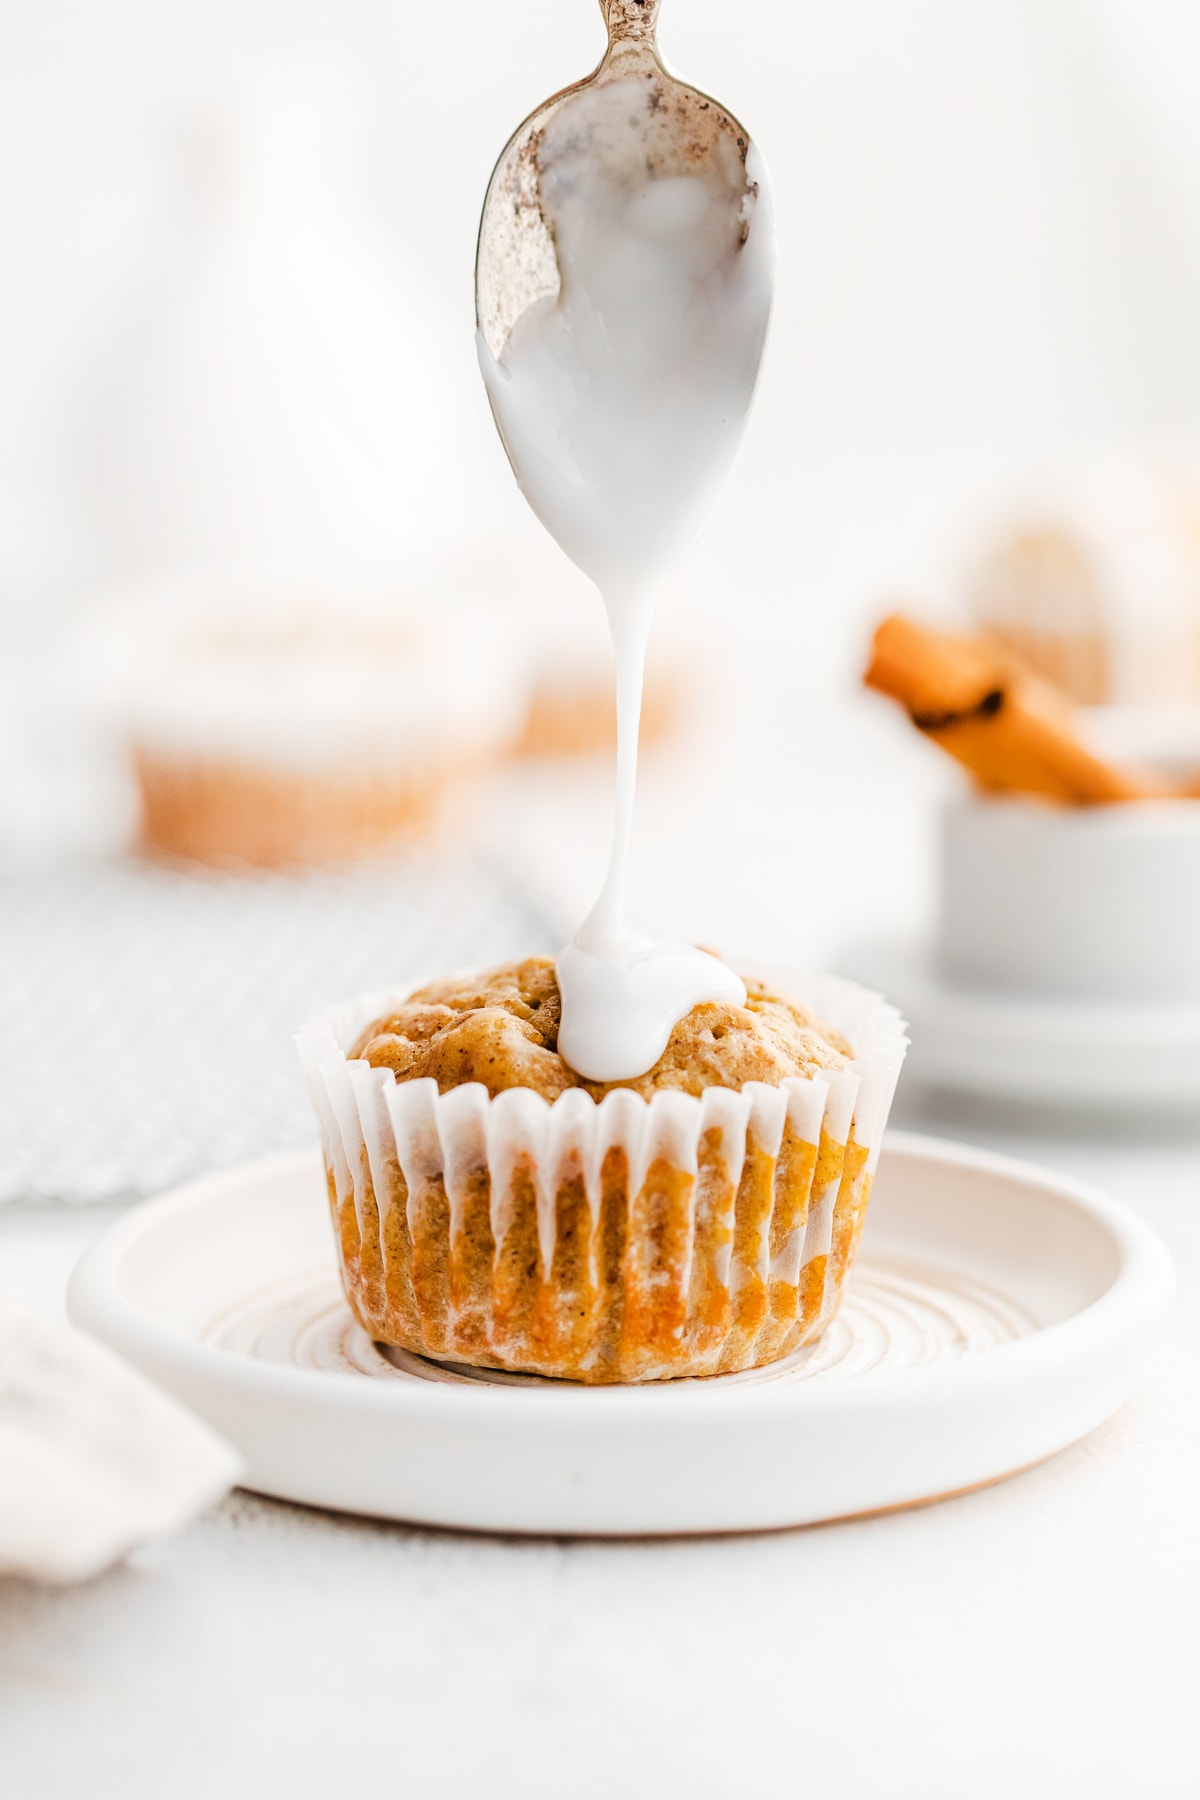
[(630, 21)]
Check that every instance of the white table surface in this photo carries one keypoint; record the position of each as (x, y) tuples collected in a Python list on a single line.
[(1036, 1638)]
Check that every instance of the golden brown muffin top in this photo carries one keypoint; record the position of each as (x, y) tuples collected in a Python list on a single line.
[(501, 1028)]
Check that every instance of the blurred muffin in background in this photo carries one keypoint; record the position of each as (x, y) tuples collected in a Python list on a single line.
[(276, 729), (557, 619), (271, 722), (1094, 581), (571, 700)]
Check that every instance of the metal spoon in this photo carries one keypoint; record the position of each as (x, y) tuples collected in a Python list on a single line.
[(623, 282), (682, 131)]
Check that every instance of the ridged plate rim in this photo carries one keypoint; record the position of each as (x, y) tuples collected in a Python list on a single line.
[(653, 1459)]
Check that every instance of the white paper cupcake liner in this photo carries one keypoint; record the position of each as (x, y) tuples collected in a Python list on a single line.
[(736, 1213), (217, 810)]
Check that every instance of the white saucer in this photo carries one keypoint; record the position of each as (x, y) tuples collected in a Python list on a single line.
[(1101, 1055), (998, 1313)]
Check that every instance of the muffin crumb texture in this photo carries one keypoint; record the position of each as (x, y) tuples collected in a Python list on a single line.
[(493, 1208), (501, 1029)]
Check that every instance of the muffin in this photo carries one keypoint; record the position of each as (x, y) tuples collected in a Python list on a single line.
[(1094, 582), (492, 1208), (555, 622), (278, 728), (571, 707), (572, 711)]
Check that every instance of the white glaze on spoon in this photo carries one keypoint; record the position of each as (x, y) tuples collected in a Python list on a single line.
[(621, 398)]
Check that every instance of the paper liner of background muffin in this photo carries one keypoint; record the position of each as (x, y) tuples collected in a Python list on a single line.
[(270, 725), (706, 1279)]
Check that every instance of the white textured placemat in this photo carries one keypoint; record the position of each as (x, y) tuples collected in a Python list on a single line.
[(146, 1013)]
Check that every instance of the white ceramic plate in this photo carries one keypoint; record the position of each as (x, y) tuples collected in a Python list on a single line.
[(998, 1313), (1102, 1056)]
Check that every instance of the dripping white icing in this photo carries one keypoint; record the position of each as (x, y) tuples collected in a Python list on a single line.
[(621, 400)]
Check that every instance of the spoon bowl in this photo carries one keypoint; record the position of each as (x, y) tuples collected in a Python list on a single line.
[(628, 227), (680, 131)]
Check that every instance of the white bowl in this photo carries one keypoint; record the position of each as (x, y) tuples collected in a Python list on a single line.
[(1095, 903)]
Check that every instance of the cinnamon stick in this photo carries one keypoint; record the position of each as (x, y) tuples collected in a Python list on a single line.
[(1011, 730)]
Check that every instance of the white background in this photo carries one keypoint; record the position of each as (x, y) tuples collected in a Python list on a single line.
[(989, 218), (989, 215)]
